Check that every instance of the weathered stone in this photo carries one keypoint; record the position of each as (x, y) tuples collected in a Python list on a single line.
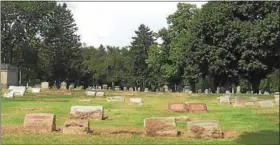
[(39, 122), (9, 95), (105, 87), (71, 86), (18, 90), (206, 91), (225, 100), (45, 85), (115, 99), (165, 88), (76, 126), (117, 88), (266, 103), (276, 99), (138, 101), (63, 86), (36, 90), (228, 92), (232, 90), (266, 93), (87, 112), (138, 89), (160, 127), (197, 107), (177, 107), (131, 89), (254, 99), (238, 90), (100, 94), (90, 93), (146, 90), (218, 90), (204, 129), (249, 103), (124, 88), (239, 101)]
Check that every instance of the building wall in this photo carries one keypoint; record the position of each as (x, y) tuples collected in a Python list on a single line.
[(9, 77)]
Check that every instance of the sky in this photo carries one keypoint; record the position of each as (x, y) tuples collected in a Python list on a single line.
[(114, 23)]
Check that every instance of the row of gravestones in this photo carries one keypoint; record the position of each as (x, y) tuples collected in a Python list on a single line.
[(19, 91), (240, 101), (238, 91)]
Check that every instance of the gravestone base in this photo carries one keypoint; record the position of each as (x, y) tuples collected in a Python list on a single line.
[(76, 127)]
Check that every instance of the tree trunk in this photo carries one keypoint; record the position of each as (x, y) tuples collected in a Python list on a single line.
[(255, 82)]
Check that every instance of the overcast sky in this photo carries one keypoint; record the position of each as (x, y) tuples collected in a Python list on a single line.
[(114, 23)]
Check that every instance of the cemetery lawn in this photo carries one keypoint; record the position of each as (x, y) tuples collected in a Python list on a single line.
[(248, 125)]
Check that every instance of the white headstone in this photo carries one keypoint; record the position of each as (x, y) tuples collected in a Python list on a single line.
[(276, 99), (228, 92), (9, 95), (138, 101), (225, 100), (45, 85), (36, 90), (115, 99), (100, 94), (266, 103), (19, 90), (206, 91), (218, 90), (146, 90), (90, 93), (238, 90)]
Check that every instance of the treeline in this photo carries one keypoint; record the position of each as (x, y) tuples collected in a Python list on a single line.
[(223, 44)]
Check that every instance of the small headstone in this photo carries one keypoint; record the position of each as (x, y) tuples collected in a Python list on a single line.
[(161, 89), (232, 90), (39, 122), (18, 90), (135, 89), (266, 93), (146, 90), (254, 99), (36, 90), (137, 101), (249, 103), (124, 88), (266, 103), (76, 126), (204, 129), (105, 87), (99, 88), (177, 107), (160, 127), (225, 100), (197, 107), (138, 89), (260, 91), (131, 89), (206, 91), (199, 91), (239, 101), (115, 99), (228, 92), (109, 88), (87, 112), (9, 95), (63, 86), (90, 93), (276, 99), (218, 90), (100, 94), (117, 88), (238, 90), (165, 88), (71, 86), (45, 85)]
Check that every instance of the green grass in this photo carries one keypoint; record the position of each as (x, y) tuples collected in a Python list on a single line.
[(254, 125)]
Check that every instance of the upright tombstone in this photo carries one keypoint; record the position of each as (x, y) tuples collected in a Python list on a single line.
[(218, 90), (165, 88), (232, 90), (87, 112), (276, 99), (135, 89), (19, 90), (225, 100), (161, 89), (131, 89), (138, 101), (117, 88), (100, 94), (90, 93), (45, 85), (99, 88), (76, 126), (160, 126), (39, 122), (138, 89), (63, 86), (115, 99), (239, 101), (238, 90), (146, 90), (196, 107), (124, 88), (228, 92), (206, 91), (71, 86), (266, 103), (177, 107), (266, 93), (199, 91), (260, 91), (204, 129), (105, 87)]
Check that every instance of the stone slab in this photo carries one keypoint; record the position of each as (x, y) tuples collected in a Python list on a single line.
[(266, 103), (115, 99), (197, 107), (90, 93), (45, 85), (76, 126), (87, 112), (138, 101), (204, 129), (177, 107), (36, 90), (249, 103), (9, 94), (40, 122), (160, 127), (254, 99), (100, 94)]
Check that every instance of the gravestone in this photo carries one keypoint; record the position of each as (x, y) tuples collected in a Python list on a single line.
[(266, 103), (177, 107), (104, 87), (115, 99), (109, 88), (161, 89), (98, 88), (218, 90), (100, 94), (9, 94), (276, 99), (204, 129), (117, 88), (87, 112), (86, 100), (165, 88), (160, 127), (90, 93), (225, 100), (40, 122), (260, 91), (266, 93), (45, 85), (135, 89), (18, 90), (206, 91), (36, 90), (239, 101), (232, 90), (199, 90), (146, 90), (124, 88), (138, 89), (251, 103), (197, 107), (228, 92), (63, 86), (93, 88), (71, 86), (131, 89), (254, 99), (76, 126), (238, 90), (138, 101)]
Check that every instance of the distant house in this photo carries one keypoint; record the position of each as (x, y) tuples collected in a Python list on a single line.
[(9, 75)]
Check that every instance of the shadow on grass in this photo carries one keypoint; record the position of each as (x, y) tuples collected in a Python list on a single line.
[(259, 138)]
